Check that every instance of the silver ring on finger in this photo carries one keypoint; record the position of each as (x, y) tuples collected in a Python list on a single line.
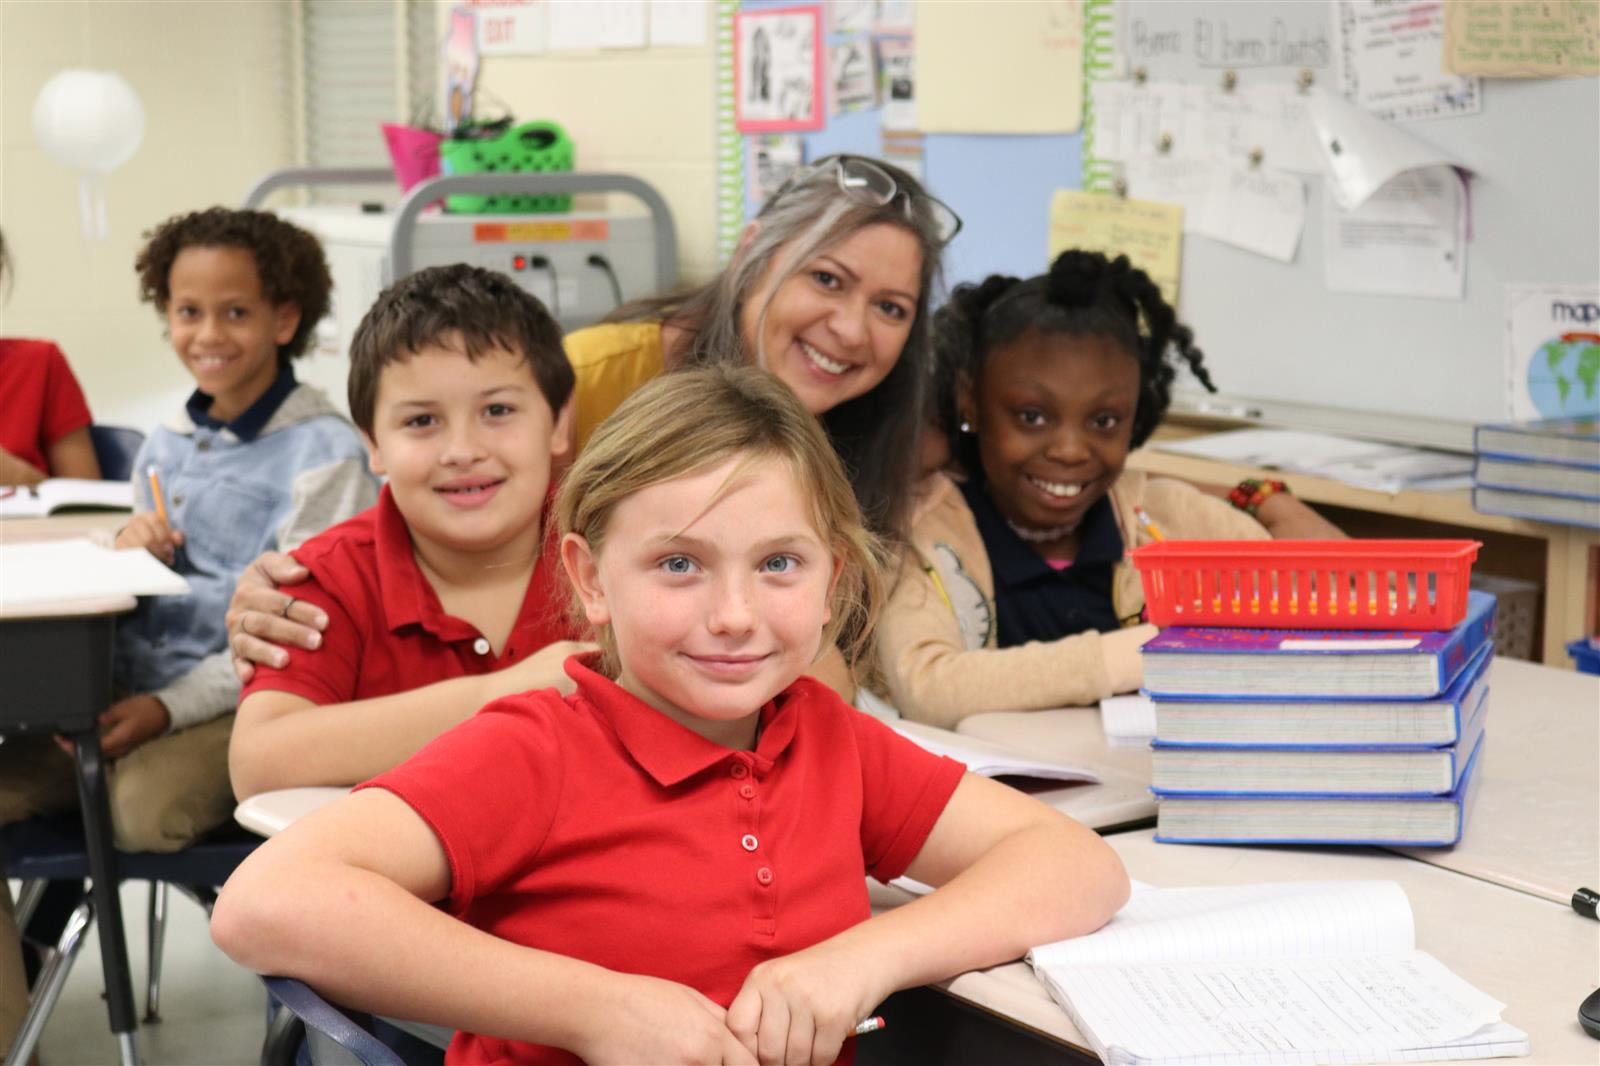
[(291, 603)]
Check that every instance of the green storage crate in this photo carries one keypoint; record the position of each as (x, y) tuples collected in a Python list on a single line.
[(538, 147)]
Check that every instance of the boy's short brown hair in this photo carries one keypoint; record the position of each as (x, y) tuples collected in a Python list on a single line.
[(456, 306), (289, 262)]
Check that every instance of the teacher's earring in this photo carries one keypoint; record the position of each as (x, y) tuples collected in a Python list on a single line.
[(966, 427)]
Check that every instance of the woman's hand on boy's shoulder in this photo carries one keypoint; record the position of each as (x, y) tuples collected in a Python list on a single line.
[(263, 619), (660, 1021), (151, 532), (799, 1009)]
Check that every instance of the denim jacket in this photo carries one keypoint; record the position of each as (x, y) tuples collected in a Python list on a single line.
[(233, 499)]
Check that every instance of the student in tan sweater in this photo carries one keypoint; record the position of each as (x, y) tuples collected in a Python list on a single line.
[(1016, 593)]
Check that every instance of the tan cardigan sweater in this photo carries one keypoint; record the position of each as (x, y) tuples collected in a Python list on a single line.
[(936, 649)]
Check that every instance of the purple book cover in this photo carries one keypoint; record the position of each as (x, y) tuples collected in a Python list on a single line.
[(1454, 647)]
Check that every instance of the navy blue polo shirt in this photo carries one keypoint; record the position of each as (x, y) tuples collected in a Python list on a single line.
[(1034, 600), (248, 426)]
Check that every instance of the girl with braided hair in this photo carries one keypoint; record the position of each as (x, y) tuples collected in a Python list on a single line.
[(1017, 594)]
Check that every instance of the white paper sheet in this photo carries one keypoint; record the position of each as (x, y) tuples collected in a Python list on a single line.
[(1363, 463), (1174, 180), (1390, 61), (1255, 209), (511, 27), (852, 76), (577, 25), (898, 83), (58, 571), (1364, 152), (773, 158), (1409, 238), (679, 23), (992, 763), (1552, 351), (1128, 721), (851, 16), (1282, 129)]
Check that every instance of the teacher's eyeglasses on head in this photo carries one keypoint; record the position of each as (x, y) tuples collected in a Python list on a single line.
[(863, 180)]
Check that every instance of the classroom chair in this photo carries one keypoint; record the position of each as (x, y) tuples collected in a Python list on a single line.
[(50, 848), (114, 448), (307, 1030)]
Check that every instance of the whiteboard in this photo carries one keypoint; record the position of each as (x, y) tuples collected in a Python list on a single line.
[(1283, 348)]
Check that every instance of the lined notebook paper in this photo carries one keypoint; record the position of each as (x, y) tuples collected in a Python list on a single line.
[(1297, 972)]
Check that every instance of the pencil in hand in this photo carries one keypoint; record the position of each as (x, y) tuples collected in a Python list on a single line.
[(1149, 527), (871, 1025), (156, 497)]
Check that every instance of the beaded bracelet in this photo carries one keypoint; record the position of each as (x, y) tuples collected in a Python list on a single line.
[(1251, 493)]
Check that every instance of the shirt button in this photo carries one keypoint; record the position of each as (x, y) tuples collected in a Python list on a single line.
[(177, 501), (481, 646), (202, 446), (739, 769), (764, 875), (747, 791), (749, 842)]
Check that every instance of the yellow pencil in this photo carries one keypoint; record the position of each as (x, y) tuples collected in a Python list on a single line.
[(155, 492), (1149, 526)]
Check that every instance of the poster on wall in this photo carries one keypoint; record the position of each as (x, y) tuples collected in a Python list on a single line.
[(773, 159), (898, 83), (1390, 60), (852, 76), (778, 69), (851, 16), (1030, 67), (511, 27), (460, 68), (1552, 351)]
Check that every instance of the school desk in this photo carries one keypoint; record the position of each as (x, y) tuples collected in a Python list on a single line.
[(1120, 799), (1537, 957), (1564, 560), (55, 673), (1535, 825)]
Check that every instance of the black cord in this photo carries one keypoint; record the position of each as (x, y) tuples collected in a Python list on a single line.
[(539, 262), (602, 263)]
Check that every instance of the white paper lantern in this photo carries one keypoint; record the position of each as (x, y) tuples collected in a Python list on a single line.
[(93, 122)]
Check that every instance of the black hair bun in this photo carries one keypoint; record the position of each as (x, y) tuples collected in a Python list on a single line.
[(1077, 276)]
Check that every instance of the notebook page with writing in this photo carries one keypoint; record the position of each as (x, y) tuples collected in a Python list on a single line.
[(1330, 1011), (1272, 920)]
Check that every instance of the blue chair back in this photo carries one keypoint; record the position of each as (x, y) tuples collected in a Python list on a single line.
[(309, 1029), (115, 447)]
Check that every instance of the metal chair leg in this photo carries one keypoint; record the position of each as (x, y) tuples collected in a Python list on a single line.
[(51, 980), (28, 900), (156, 935)]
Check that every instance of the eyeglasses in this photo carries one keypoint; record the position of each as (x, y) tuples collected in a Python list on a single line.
[(862, 179)]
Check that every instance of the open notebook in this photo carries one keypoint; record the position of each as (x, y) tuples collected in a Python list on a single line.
[(1293, 972), (58, 571)]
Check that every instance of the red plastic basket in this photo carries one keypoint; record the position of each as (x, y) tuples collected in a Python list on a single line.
[(1307, 584)]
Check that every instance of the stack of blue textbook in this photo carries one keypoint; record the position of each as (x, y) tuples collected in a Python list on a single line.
[(1319, 736), (1547, 470)]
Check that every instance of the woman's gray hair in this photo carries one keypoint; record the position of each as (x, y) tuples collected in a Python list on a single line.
[(876, 434)]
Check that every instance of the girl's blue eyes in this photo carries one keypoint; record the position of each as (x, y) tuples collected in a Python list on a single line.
[(781, 564), (778, 564), (677, 564)]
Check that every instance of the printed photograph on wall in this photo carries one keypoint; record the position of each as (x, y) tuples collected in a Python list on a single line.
[(778, 68), (853, 76), (774, 157), (897, 73)]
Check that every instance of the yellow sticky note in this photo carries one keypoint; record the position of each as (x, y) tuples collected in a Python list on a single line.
[(1148, 233)]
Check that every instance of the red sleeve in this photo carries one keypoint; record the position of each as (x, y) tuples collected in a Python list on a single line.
[(489, 790), (65, 409), (327, 675), (904, 790)]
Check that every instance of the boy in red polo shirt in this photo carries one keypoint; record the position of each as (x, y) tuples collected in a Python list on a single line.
[(667, 865), (440, 595)]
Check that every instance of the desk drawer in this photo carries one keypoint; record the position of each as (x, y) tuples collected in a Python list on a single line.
[(55, 673)]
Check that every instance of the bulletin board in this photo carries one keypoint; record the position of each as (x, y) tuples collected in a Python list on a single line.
[(1410, 369), (1281, 345)]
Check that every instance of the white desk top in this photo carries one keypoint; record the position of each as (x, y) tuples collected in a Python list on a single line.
[(270, 813), (1536, 824), (96, 526), (1539, 958)]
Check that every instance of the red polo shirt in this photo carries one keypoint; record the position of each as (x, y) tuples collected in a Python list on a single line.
[(40, 400), (596, 827), (387, 631)]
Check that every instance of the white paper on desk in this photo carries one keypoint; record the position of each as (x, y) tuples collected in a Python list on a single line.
[(58, 571), (1390, 61), (1311, 971), (1363, 463), (1363, 152), (1128, 721), (987, 763), (1255, 209), (1408, 239)]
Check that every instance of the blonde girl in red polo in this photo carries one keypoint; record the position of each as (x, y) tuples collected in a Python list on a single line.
[(667, 865)]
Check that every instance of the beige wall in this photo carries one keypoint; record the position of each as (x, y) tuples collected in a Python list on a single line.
[(211, 74), (646, 112)]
